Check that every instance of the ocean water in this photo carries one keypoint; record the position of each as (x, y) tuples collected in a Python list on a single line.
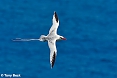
[(90, 27)]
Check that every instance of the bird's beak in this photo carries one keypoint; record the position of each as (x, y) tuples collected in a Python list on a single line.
[(64, 38)]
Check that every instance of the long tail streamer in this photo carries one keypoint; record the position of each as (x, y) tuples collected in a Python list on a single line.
[(20, 39)]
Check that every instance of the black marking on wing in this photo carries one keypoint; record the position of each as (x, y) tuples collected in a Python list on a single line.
[(51, 42), (56, 17), (53, 59)]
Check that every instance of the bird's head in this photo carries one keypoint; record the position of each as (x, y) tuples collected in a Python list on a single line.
[(61, 38)]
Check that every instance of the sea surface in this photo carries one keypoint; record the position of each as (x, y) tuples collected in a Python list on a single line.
[(90, 27)]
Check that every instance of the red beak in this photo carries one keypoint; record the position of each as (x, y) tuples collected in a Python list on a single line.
[(64, 38)]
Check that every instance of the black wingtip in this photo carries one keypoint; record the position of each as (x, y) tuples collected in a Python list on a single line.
[(56, 17), (53, 59)]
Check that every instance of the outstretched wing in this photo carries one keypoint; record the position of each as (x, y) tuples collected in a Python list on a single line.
[(55, 20), (53, 52)]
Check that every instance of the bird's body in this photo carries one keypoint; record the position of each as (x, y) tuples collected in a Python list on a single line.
[(51, 38)]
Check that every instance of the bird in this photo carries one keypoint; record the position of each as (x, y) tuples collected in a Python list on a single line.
[(51, 38)]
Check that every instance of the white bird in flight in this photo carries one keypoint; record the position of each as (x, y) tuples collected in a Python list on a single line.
[(51, 38)]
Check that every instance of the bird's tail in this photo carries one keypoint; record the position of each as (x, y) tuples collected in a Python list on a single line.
[(42, 38)]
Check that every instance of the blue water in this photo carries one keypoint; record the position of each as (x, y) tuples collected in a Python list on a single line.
[(90, 27)]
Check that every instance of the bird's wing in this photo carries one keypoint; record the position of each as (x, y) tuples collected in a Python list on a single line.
[(55, 20), (53, 51)]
